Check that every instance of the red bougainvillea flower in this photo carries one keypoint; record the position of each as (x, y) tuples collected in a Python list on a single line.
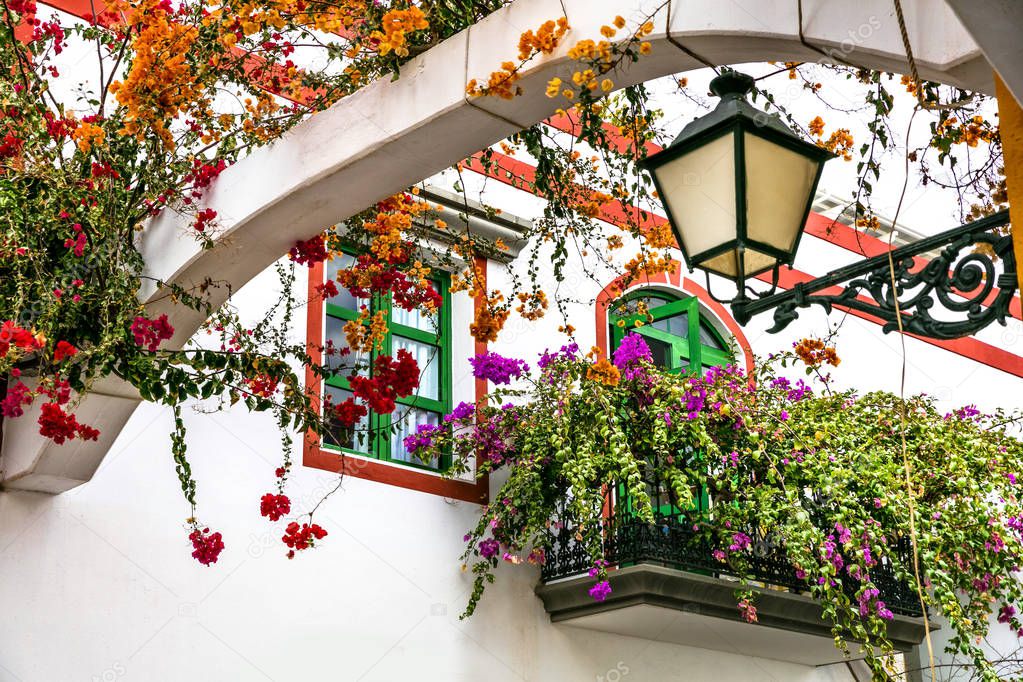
[(11, 145), (77, 243), (309, 252), (104, 170), (204, 173), (302, 537), (327, 290), (203, 218), (59, 393), (59, 426), (149, 333), (391, 379), (206, 546), (349, 413), (274, 506), (262, 385), (63, 350), (13, 335)]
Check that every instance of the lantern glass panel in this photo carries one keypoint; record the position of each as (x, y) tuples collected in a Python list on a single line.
[(722, 264), (756, 261), (778, 186), (727, 263), (698, 188)]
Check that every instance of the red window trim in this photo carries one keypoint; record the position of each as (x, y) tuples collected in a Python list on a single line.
[(364, 467)]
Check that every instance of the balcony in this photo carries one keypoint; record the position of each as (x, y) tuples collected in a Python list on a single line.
[(667, 586)]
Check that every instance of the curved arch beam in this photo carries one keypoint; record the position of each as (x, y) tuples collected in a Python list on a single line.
[(391, 134)]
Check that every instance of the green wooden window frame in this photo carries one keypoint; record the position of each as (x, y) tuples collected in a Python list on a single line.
[(377, 444), (686, 342), (700, 347)]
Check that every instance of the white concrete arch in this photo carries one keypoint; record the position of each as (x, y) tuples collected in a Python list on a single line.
[(392, 134)]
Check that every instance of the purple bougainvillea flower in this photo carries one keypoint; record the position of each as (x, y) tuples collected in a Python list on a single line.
[(422, 438), (489, 548), (496, 368), (632, 349), (600, 591), (567, 352), (463, 411)]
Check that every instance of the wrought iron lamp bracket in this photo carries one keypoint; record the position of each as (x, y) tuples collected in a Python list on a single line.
[(967, 286)]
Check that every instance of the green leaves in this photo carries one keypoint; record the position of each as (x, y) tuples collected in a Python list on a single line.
[(181, 466), (822, 474)]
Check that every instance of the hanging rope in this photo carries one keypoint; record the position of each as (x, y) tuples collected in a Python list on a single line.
[(917, 83), (907, 466)]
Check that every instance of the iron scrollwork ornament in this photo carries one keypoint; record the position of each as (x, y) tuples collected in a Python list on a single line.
[(969, 284)]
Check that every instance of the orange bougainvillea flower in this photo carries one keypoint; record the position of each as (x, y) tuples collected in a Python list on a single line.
[(160, 83), (840, 142), (503, 83), (490, 319), (814, 353), (532, 306), (87, 136), (645, 265), (397, 24), (602, 371), (367, 332)]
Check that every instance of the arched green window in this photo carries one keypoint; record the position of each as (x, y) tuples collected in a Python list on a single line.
[(679, 338)]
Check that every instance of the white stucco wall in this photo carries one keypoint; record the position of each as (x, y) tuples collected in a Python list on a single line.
[(98, 584)]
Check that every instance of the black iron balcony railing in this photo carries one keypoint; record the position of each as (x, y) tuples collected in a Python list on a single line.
[(671, 542)]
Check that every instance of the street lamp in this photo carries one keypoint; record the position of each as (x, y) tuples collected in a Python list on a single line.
[(737, 186)]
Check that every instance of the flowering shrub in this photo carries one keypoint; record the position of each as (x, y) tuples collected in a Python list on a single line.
[(80, 178), (822, 470)]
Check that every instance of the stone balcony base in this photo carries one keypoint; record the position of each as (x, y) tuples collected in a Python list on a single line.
[(667, 605)]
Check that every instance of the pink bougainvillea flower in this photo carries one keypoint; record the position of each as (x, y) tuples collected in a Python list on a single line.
[(206, 546)]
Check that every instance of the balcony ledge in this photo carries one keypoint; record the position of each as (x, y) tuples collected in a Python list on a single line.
[(667, 605)]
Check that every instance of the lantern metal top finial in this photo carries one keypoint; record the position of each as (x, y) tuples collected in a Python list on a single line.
[(733, 87), (731, 83)]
